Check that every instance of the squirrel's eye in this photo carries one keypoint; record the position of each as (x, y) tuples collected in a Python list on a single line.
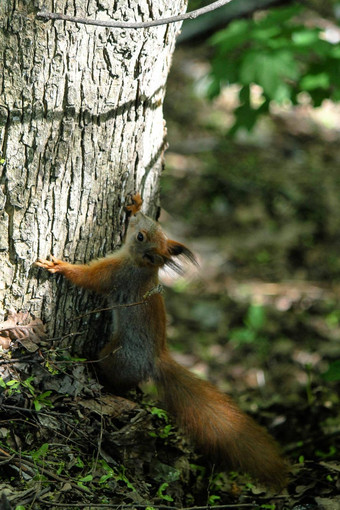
[(140, 236)]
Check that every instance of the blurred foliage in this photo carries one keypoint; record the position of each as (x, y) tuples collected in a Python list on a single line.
[(333, 372), (281, 53), (252, 331), (261, 320), (276, 209)]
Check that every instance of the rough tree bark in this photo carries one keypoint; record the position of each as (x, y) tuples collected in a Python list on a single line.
[(81, 125)]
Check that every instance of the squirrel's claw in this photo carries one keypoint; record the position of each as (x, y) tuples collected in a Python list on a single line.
[(136, 205), (50, 265)]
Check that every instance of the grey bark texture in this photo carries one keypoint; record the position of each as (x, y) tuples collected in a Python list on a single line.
[(81, 126)]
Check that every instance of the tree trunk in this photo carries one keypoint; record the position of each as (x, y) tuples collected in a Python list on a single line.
[(81, 126)]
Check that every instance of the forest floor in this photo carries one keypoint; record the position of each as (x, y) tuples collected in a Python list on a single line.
[(260, 318)]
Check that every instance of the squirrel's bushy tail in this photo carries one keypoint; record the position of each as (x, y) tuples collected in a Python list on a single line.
[(218, 427)]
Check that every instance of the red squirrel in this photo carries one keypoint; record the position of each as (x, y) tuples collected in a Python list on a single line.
[(138, 350)]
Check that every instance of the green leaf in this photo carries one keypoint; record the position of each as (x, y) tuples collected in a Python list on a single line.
[(41, 452), (231, 37), (224, 71), (213, 89), (269, 69), (13, 384), (244, 94), (45, 394), (248, 72), (281, 16), (317, 96), (280, 54), (245, 117), (306, 37), (310, 81), (79, 463), (213, 498), (325, 455), (122, 476), (60, 468), (256, 317), (242, 336), (160, 492), (165, 432), (160, 413), (333, 372), (108, 470), (37, 405), (264, 34), (87, 478), (80, 484), (283, 93)]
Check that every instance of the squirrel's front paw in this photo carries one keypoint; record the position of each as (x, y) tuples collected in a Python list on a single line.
[(53, 266), (136, 205)]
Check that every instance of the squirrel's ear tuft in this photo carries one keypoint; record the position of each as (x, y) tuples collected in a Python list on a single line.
[(176, 249), (154, 259)]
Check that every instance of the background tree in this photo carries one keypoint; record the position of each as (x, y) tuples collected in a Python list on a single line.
[(81, 125)]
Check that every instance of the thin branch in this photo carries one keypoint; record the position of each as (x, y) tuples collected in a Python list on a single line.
[(143, 24), (106, 309), (157, 289)]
